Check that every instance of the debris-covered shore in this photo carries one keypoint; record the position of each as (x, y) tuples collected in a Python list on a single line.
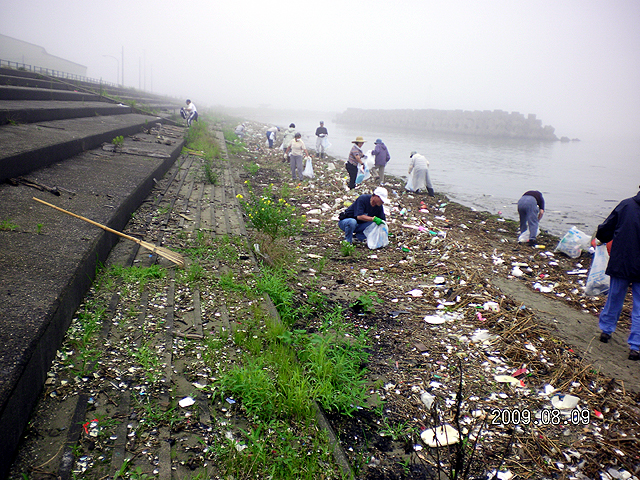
[(449, 345), (482, 357)]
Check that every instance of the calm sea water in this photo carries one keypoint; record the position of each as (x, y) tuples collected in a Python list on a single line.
[(581, 181)]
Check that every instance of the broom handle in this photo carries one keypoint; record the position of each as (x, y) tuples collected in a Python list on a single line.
[(124, 235)]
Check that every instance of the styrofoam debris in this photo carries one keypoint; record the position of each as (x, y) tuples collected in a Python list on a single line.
[(434, 319), (415, 292), (493, 306), (502, 475), (481, 336), (440, 436), (427, 399), (507, 379), (564, 402)]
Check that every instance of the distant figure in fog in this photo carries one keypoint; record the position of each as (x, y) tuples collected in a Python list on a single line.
[(190, 113), (297, 148), (271, 135), (321, 141), (240, 129), (289, 134), (531, 210), (623, 227), (382, 157), (419, 179)]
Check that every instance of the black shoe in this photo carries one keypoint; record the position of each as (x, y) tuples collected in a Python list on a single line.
[(532, 243), (431, 192), (604, 337), (634, 355)]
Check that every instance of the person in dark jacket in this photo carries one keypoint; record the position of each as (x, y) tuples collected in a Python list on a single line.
[(623, 227), (531, 210), (361, 213), (321, 133), (382, 157)]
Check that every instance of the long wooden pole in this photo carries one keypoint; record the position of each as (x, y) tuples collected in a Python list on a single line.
[(170, 255)]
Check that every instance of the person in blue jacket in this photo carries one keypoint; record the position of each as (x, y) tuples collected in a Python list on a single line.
[(623, 227), (360, 214), (382, 157)]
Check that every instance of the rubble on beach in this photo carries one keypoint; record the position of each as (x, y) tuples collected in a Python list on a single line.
[(443, 326), (482, 353)]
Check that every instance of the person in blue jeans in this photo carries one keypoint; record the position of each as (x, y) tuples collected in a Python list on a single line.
[(367, 209), (623, 227), (531, 210)]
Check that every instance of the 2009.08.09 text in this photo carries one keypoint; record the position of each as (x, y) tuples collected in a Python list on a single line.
[(546, 416)]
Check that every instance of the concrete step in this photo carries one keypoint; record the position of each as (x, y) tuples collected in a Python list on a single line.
[(48, 260), (33, 111), (28, 147), (47, 83), (8, 92)]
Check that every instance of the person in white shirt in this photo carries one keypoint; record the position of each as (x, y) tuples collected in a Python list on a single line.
[(296, 148), (189, 112), (419, 179)]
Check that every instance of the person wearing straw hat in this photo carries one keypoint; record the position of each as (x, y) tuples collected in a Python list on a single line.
[(367, 209), (356, 158)]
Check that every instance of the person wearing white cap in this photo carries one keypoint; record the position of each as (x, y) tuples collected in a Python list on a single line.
[(367, 209), (419, 174)]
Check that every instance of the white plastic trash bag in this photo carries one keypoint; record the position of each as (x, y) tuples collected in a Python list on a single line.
[(524, 236), (369, 160), (598, 281), (573, 243), (308, 168), (363, 174), (377, 235)]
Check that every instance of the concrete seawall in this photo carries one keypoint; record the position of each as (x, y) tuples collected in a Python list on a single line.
[(496, 123)]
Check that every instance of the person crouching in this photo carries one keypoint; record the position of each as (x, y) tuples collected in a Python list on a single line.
[(360, 214)]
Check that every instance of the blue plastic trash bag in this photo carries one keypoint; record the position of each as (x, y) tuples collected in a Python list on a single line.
[(363, 174)]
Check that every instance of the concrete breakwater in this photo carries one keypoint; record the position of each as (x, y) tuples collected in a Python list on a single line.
[(496, 123)]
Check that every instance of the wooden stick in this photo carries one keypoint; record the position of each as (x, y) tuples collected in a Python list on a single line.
[(163, 252)]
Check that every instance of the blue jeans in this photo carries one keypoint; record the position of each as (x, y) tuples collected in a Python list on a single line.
[(528, 211), (350, 226), (613, 307)]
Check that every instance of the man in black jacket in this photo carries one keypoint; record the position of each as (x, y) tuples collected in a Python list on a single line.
[(623, 227)]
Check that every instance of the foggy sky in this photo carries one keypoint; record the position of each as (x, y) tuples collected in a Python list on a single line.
[(575, 63)]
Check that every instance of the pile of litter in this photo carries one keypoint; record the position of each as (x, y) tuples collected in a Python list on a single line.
[(446, 340)]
